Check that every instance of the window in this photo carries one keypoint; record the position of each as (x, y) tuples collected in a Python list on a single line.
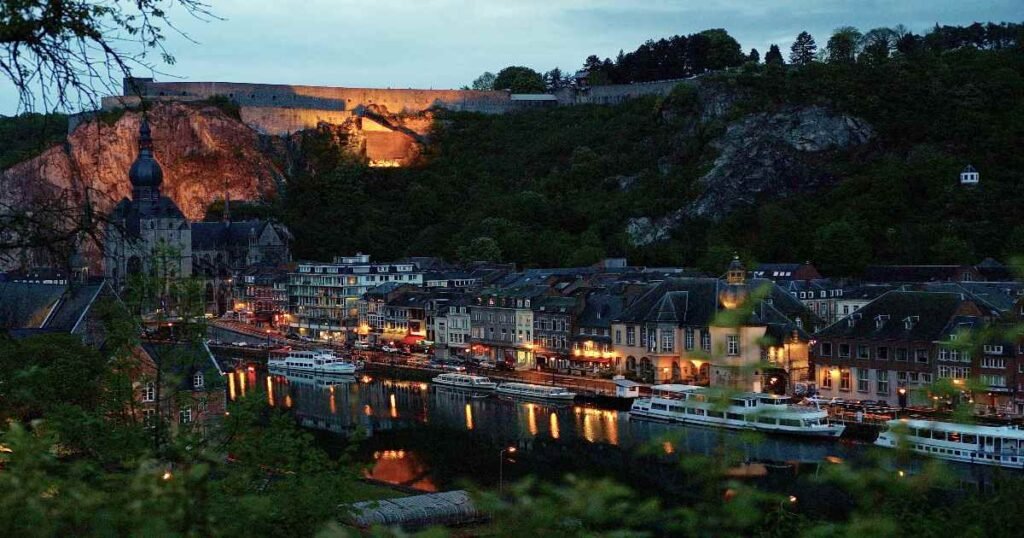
[(149, 417), (618, 336), (901, 378), (844, 379), (882, 381), (185, 416), (844, 351), (689, 338), (705, 340), (901, 354), (921, 356), (882, 353), (197, 380), (863, 352), (863, 378), (668, 340), (998, 350), (992, 380), (846, 309), (954, 372), (826, 349), (630, 336), (826, 379), (149, 393), (732, 344)]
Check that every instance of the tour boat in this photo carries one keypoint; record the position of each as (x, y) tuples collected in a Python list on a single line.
[(768, 413), (320, 361), (467, 381), (536, 391), (317, 379), (1002, 446)]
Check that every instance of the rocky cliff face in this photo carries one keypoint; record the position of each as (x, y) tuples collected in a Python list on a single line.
[(204, 154), (769, 154), (758, 156)]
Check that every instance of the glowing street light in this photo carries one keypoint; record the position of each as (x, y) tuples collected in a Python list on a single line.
[(501, 465)]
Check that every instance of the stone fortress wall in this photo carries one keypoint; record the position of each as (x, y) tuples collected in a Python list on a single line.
[(282, 108)]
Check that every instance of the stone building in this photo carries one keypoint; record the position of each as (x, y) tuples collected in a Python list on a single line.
[(902, 340), (740, 334), (148, 234)]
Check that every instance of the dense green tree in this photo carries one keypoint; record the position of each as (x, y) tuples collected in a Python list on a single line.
[(803, 49), (844, 45), (518, 79), (773, 56), (841, 249), (879, 44), (484, 82), (754, 56), (480, 249)]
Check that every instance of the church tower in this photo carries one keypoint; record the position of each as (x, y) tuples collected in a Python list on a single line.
[(146, 175)]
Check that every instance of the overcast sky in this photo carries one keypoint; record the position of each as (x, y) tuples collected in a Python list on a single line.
[(447, 43)]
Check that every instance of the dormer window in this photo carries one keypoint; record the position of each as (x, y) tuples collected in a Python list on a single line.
[(880, 320), (197, 380), (910, 321)]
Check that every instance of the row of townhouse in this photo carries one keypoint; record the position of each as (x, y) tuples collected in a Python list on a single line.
[(734, 331), (898, 346)]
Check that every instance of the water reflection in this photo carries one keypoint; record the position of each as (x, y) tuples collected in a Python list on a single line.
[(400, 467), (343, 404)]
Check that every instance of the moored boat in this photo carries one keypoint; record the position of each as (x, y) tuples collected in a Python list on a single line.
[(1001, 446), (768, 413), (317, 361), (528, 390), (477, 382)]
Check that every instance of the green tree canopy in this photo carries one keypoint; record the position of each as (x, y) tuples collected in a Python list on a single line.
[(803, 49), (844, 45), (773, 56), (484, 82), (519, 79)]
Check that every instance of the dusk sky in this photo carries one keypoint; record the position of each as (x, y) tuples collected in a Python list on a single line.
[(447, 43)]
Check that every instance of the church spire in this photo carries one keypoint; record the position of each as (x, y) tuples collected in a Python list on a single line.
[(146, 175)]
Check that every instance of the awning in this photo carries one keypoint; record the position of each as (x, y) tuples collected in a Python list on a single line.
[(411, 339)]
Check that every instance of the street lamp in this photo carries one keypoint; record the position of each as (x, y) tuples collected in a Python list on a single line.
[(501, 466)]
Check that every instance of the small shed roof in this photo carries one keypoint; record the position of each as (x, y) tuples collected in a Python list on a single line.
[(444, 508)]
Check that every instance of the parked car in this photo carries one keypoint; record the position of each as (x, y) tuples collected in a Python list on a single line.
[(389, 349), (361, 345)]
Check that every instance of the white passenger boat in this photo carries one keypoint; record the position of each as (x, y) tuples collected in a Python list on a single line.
[(767, 413), (477, 382), (320, 361), (543, 392), (1001, 446)]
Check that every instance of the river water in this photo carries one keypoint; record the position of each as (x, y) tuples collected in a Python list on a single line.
[(429, 438)]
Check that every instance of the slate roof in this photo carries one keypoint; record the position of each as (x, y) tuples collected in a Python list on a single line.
[(554, 304), (933, 311), (184, 360), (997, 296), (212, 235), (130, 212), (73, 305), (600, 308), (915, 273), (24, 305), (684, 301)]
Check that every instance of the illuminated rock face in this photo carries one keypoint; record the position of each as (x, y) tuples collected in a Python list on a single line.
[(204, 154)]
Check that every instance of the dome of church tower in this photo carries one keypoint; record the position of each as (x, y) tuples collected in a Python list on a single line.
[(145, 171)]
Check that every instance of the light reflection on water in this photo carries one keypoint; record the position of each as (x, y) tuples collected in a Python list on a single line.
[(343, 404)]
